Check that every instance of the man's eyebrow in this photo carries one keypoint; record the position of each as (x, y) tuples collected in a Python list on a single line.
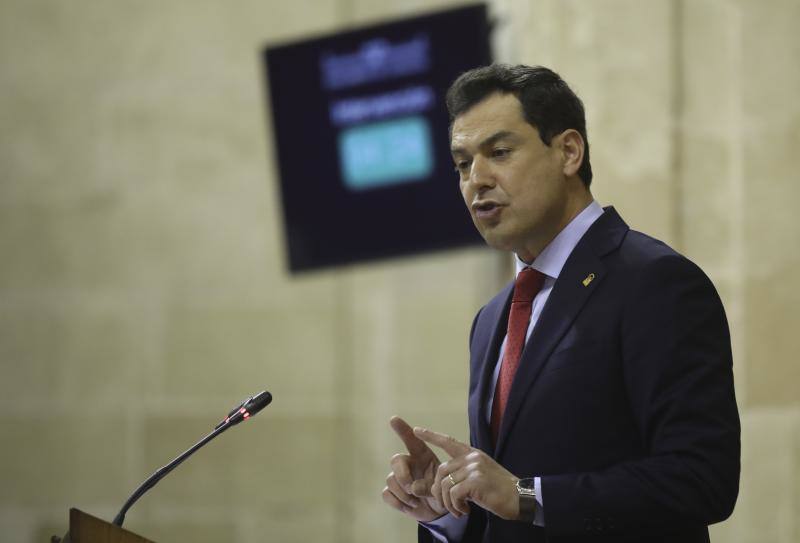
[(487, 142), (497, 136)]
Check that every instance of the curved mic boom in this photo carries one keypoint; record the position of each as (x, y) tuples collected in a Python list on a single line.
[(244, 411)]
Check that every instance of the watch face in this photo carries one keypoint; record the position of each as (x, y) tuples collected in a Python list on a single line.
[(526, 486), (526, 483)]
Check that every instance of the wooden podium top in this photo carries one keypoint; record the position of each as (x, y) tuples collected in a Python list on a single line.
[(84, 528)]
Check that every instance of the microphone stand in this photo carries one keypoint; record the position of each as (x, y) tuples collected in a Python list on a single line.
[(160, 473), (244, 411), (151, 481)]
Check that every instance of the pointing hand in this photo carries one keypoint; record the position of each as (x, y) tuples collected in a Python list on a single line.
[(408, 486)]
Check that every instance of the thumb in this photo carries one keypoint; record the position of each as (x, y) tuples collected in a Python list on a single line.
[(421, 488)]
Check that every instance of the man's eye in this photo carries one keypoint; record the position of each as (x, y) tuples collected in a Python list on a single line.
[(462, 166), (500, 153)]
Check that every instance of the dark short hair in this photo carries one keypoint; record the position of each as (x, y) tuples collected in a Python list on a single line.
[(548, 103)]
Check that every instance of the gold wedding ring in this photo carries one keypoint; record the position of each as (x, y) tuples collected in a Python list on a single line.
[(452, 481)]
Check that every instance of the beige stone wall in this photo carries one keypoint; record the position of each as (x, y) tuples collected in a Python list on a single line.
[(143, 289)]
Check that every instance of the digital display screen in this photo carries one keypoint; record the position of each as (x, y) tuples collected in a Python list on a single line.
[(361, 135)]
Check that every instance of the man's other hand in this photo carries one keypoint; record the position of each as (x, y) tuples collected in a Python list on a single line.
[(471, 475), (408, 486)]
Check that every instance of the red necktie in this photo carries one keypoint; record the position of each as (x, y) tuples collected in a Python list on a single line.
[(527, 285)]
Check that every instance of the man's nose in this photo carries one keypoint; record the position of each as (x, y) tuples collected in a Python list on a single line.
[(481, 174)]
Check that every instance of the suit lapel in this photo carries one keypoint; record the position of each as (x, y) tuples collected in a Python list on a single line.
[(580, 277), (496, 314)]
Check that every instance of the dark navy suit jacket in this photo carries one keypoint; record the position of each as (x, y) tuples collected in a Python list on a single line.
[(623, 402)]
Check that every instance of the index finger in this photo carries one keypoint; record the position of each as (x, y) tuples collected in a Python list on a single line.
[(414, 444), (448, 444)]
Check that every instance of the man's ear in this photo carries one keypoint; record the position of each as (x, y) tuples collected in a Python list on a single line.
[(572, 149)]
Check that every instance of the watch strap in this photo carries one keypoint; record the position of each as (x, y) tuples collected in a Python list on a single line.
[(527, 508), (527, 500)]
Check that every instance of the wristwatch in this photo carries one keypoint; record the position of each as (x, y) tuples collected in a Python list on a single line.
[(527, 499)]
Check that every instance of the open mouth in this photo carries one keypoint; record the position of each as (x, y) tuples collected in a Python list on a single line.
[(486, 210)]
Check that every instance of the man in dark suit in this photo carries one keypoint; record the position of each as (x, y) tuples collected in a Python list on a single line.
[(601, 399)]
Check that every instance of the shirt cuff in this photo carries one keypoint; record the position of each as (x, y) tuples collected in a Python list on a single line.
[(447, 528), (538, 519)]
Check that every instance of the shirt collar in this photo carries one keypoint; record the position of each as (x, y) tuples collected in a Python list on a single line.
[(554, 256)]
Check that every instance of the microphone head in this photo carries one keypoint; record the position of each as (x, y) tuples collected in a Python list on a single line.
[(258, 402)]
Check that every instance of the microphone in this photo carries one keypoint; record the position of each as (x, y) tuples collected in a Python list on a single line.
[(244, 411)]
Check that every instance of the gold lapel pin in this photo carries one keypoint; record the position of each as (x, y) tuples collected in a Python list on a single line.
[(589, 279)]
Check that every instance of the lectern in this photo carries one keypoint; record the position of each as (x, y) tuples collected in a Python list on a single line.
[(84, 528)]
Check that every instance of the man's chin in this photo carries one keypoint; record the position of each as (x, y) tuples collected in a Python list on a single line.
[(496, 240)]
